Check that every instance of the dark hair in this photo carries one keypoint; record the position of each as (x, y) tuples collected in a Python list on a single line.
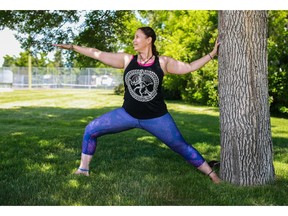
[(149, 32)]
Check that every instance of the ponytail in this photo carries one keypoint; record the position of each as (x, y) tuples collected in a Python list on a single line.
[(154, 50)]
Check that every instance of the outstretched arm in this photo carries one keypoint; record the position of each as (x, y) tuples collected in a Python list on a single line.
[(173, 66), (116, 60)]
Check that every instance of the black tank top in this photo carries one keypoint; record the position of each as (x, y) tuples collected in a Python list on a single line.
[(143, 98)]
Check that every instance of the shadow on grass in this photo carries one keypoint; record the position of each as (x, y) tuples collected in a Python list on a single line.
[(41, 147)]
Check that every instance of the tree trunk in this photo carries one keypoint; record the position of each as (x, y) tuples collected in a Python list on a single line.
[(246, 143)]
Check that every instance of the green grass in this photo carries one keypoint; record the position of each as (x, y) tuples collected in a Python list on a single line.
[(40, 147)]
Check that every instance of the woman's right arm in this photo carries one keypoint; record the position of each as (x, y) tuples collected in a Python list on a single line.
[(116, 60)]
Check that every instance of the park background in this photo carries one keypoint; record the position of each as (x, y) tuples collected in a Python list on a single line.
[(187, 89), (187, 40)]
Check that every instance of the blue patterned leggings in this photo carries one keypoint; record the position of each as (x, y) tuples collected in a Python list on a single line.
[(164, 128)]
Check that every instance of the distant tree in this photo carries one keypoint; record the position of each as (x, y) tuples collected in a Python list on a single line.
[(8, 61), (278, 61), (41, 60), (104, 30), (38, 30)]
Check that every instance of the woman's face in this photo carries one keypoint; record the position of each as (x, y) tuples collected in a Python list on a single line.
[(140, 41)]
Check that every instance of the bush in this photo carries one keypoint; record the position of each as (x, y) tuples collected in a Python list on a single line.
[(119, 90)]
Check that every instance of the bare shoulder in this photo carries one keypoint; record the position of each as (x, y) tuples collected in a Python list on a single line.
[(126, 57), (164, 60)]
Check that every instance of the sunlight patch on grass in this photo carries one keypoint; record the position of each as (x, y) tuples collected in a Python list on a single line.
[(19, 104), (279, 127), (208, 150), (116, 199), (82, 99), (43, 143), (86, 119), (51, 116), (148, 139), (14, 105), (71, 150), (17, 134), (78, 103), (152, 140), (187, 108), (73, 183), (51, 156), (43, 167), (281, 154), (162, 145), (281, 169), (103, 175), (82, 120)]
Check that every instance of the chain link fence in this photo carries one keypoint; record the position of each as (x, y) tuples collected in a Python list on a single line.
[(17, 77)]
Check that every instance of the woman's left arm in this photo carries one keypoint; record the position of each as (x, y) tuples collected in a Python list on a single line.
[(173, 66)]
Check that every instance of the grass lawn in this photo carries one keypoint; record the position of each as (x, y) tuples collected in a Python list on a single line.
[(40, 147)]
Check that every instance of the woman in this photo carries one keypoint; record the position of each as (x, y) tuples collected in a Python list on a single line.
[(143, 106)]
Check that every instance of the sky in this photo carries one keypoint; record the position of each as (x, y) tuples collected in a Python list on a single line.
[(10, 46)]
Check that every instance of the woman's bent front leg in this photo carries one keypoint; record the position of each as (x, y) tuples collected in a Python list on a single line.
[(112, 122)]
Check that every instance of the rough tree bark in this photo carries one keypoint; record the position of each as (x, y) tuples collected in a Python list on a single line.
[(246, 143)]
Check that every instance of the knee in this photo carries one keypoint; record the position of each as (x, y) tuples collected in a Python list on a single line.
[(91, 129), (88, 129)]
